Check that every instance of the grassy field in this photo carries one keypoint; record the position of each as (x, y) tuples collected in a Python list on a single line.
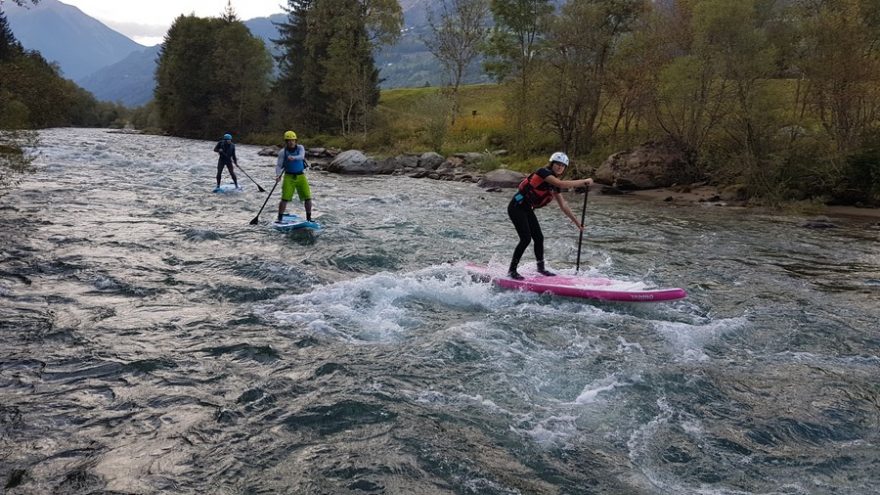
[(415, 120), (414, 116)]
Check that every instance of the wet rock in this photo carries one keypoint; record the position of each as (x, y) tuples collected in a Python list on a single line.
[(649, 166), (431, 160), (819, 223), (353, 162), (736, 192), (470, 158), (271, 151), (501, 178), (407, 161), (611, 191)]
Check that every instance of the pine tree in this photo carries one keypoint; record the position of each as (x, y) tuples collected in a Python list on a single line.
[(300, 74), (183, 89), (229, 14), (9, 46), (352, 80), (329, 78)]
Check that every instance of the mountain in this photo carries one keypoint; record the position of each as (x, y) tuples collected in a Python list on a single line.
[(130, 81), (115, 68), (415, 12), (64, 34), (265, 28)]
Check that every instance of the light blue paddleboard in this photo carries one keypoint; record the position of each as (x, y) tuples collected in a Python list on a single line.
[(291, 221), (228, 188)]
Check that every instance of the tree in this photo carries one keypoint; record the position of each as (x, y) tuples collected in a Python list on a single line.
[(183, 90), (734, 35), (512, 53), (329, 77), (691, 96), (229, 15), (842, 67), (212, 77), (351, 78), (457, 38), (242, 68), (383, 20), (303, 45), (580, 45), (9, 46)]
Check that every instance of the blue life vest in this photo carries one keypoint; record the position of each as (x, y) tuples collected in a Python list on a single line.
[(295, 166)]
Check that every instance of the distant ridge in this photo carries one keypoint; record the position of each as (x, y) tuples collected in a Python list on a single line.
[(64, 34), (115, 68), (130, 81)]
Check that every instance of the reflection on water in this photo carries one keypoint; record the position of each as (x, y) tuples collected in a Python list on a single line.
[(154, 341)]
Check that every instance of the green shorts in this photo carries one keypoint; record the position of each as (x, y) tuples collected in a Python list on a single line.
[(297, 182)]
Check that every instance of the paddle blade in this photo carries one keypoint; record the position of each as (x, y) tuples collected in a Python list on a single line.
[(255, 220), (261, 189)]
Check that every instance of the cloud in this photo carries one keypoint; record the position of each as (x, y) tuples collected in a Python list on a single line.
[(138, 30)]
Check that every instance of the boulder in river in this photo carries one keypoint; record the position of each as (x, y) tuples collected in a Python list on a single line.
[(353, 162), (501, 177), (649, 166)]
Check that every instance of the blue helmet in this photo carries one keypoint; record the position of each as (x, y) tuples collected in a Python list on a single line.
[(227, 136)]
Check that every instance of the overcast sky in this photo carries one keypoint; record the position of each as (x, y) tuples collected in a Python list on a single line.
[(146, 21)]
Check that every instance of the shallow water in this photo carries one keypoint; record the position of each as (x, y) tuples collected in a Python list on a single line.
[(155, 342)]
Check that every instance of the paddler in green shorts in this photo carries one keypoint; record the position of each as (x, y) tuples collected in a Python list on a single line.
[(291, 165)]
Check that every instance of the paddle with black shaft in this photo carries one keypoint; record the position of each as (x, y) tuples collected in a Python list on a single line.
[(257, 218), (581, 237), (251, 178)]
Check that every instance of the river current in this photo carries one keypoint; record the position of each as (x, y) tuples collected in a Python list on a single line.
[(153, 341)]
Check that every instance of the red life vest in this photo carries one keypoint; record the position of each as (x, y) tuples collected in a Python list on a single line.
[(535, 191)]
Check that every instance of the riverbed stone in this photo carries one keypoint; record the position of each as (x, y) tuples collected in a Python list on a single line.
[(649, 166), (355, 162), (501, 177), (431, 160)]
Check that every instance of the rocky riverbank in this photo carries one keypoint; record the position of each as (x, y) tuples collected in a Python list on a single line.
[(650, 173)]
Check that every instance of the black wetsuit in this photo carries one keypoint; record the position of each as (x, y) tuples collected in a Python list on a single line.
[(227, 156), (521, 211)]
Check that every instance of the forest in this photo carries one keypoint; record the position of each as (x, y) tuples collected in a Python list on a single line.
[(780, 97)]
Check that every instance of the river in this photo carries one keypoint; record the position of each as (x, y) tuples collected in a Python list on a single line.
[(153, 341)]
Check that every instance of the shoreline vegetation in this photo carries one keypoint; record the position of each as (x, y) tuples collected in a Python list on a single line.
[(709, 196), (681, 94)]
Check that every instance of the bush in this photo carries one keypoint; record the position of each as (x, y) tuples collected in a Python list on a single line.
[(861, 181), (16, 156)]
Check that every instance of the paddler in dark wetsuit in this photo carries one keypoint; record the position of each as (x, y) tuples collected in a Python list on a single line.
[(227, 157), (536, 191)]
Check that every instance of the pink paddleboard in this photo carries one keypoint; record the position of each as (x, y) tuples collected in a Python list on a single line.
[(602, 289)]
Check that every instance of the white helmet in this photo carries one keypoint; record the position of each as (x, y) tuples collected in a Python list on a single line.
[(559, 157)]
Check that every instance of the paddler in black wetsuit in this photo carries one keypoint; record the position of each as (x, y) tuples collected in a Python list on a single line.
[(226, 158), (536, 191)]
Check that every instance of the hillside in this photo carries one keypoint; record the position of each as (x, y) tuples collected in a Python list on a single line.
[(115, 68), (130, 81), (79, 44)]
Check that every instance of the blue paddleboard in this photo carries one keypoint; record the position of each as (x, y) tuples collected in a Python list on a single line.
[(292, 221), (227, 188)]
